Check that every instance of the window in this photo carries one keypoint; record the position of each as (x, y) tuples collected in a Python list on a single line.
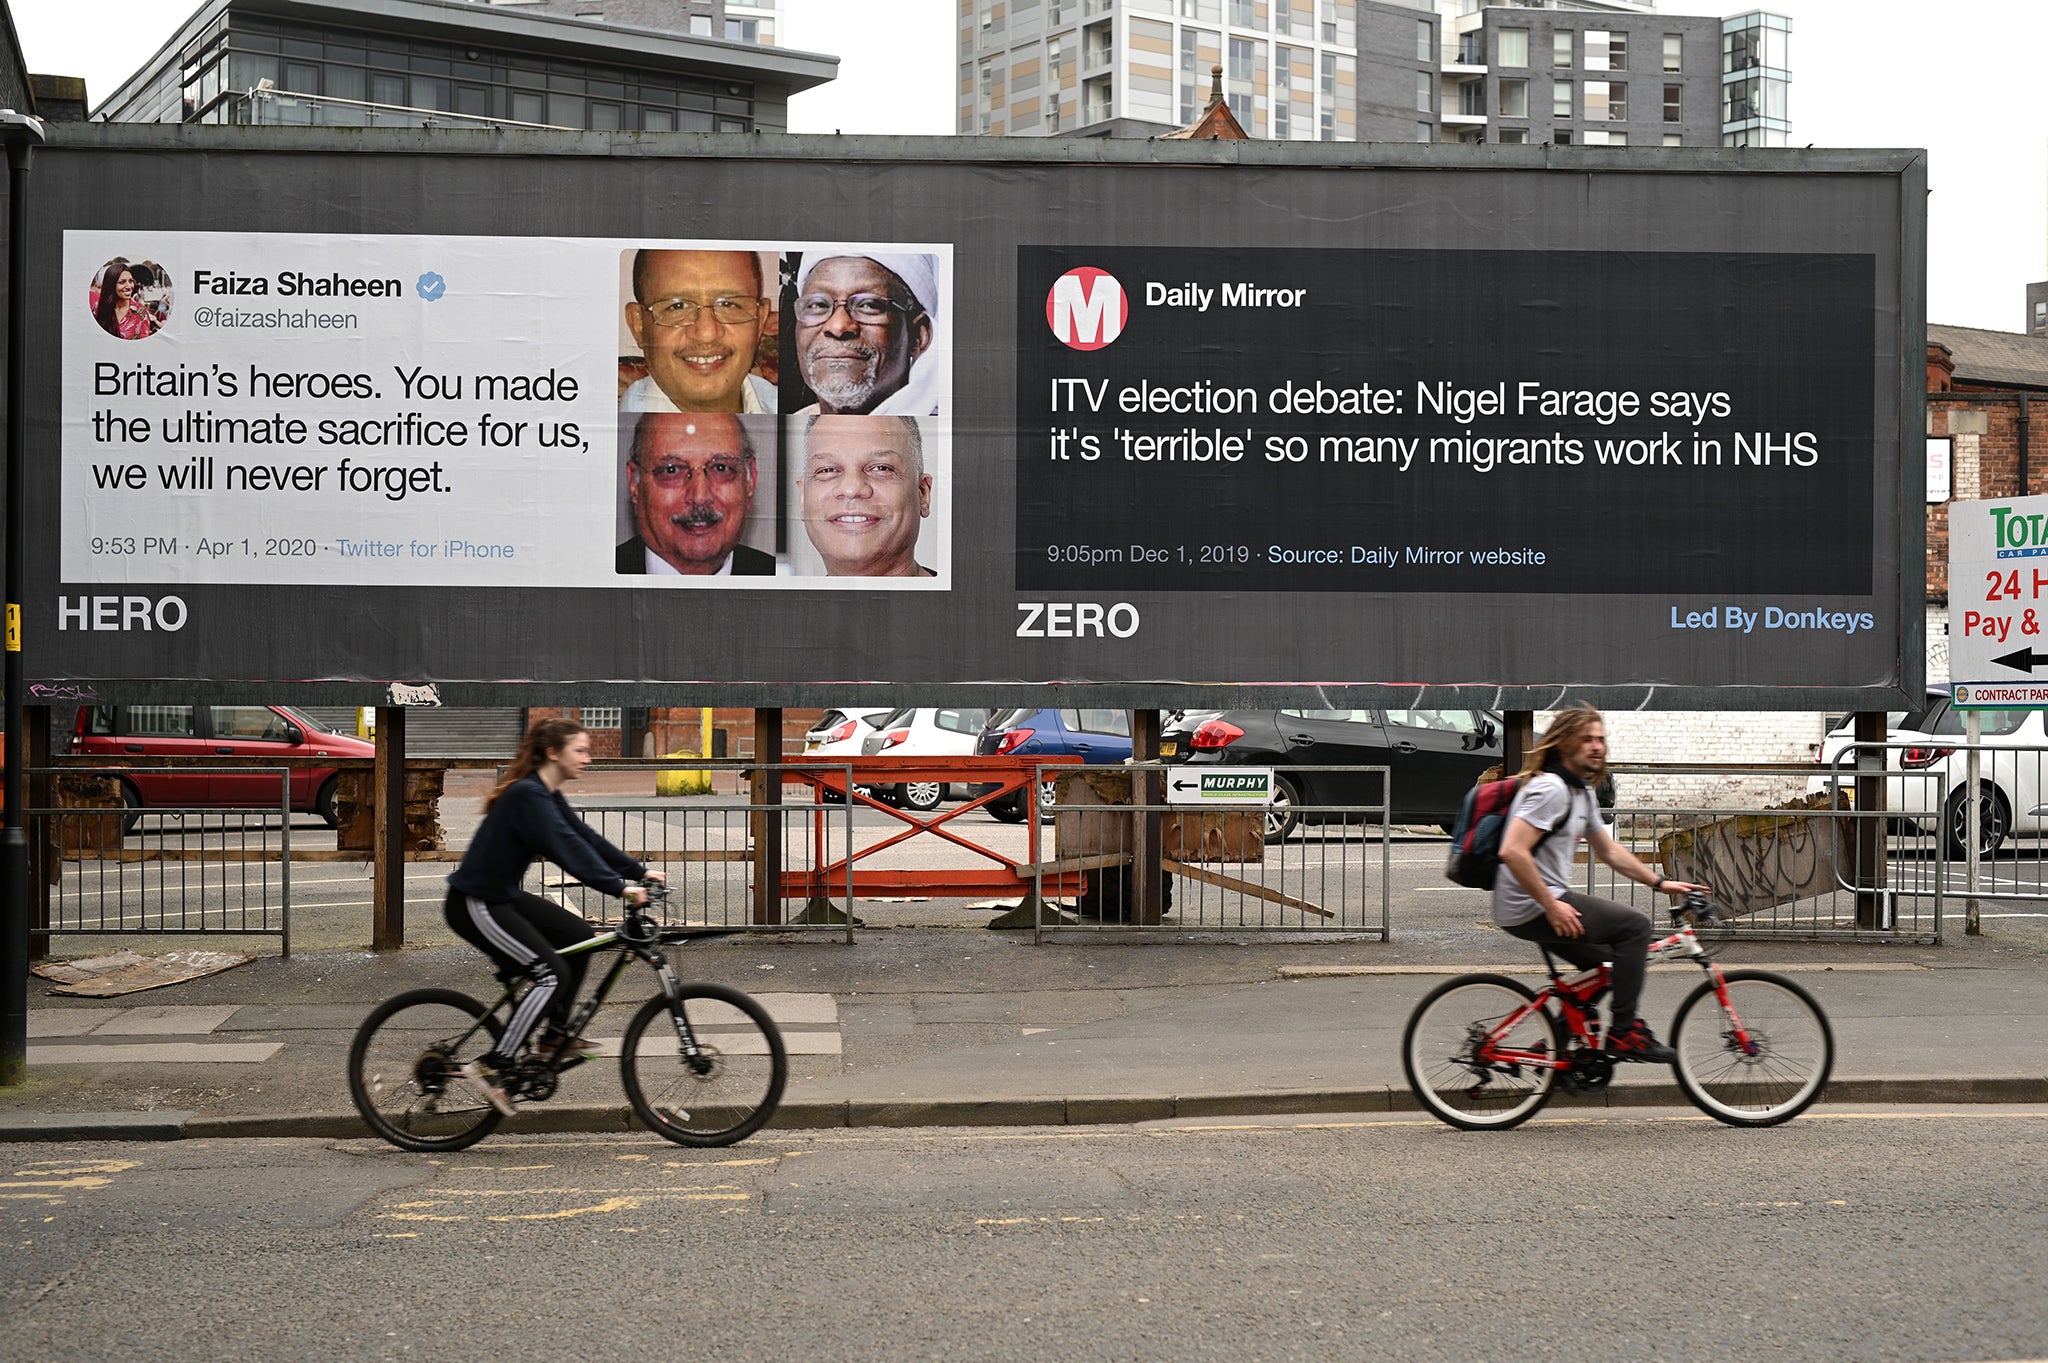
[(1425, 132), (1561, 49), (2041, 316), (1116, 722), (1674, 51), (1605, 101), (161, 721), (1617, 52), (1436, 721), (1472, 48), (1200, 9), (1424, 83), (1561, 138), (700, 26), (600, 716), (1241, 14), (1340, 23), (1561, 99), (1514, 99), (1514, 47), (1472, 98), (1600, 45), (251, 723), (960, 721), (1243, 57), (1425, 39), (1513, 137), (1674, 100)]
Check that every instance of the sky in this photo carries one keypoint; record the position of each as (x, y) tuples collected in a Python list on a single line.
[(1957, 79)]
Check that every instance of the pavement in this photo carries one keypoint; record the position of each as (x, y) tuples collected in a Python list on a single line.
[(913, 1026)]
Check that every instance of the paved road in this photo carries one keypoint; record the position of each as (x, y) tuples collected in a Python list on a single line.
[(1865, 1235)]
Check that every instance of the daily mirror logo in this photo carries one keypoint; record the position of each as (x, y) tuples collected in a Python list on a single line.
[(1087, 308)]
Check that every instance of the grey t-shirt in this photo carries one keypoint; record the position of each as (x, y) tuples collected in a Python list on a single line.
[(1541, 803)]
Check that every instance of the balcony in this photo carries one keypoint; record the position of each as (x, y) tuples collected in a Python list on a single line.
[(1096, 61)]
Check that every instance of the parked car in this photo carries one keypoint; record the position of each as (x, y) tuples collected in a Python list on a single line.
[(841, 733), (1097, 737), (1435, 756), (943, 732), (2010, 785), (273, 731)]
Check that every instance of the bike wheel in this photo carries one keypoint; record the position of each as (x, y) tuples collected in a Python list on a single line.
[(729, 1091), (1780, 1073), (1440, 1048), (400, 1063)]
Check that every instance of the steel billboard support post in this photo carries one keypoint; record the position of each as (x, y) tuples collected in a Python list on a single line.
[(1518, 735), (387, 928), (765, 792), (1871, 843), (1973, 733), (41, 795), (22, 133), (1148, 792)]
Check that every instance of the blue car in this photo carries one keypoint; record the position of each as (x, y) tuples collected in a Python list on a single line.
[(1097, 737)]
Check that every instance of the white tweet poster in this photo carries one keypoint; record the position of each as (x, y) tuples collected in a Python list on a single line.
[(490, 411)]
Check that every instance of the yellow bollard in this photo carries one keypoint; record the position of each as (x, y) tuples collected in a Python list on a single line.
[(683, 781)]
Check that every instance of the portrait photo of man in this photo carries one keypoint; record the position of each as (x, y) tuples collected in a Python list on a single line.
[(865, 494), (689, 485), (866, 326), (697, 319)]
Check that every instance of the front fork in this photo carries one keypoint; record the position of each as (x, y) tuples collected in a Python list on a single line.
[(686, 1040)]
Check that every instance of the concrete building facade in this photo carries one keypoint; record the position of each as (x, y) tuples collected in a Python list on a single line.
[(1584, 72)]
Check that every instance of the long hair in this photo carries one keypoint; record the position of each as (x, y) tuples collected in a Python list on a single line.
[(1564, 731), (544, 737), (104, 312)]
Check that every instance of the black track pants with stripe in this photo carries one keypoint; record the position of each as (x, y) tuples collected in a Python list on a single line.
[(522, 934)]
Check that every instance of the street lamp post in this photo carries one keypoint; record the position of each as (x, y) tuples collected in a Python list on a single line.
[(22, 133)]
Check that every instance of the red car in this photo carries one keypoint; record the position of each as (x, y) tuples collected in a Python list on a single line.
[(274, 731)]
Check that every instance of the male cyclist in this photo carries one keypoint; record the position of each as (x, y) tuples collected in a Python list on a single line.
[(1532, 898)]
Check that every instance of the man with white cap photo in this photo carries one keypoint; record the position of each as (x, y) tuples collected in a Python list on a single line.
[(863, 321)]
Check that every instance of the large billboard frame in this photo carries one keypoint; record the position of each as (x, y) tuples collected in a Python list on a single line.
[(1906, 168)]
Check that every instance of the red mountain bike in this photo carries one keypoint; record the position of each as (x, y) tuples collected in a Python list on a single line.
[(1485, 1052)]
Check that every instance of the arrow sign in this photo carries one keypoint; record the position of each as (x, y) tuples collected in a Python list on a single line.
[(2023, 660), (1221, 786)]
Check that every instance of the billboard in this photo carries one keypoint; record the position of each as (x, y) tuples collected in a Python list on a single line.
[(1145, 427)]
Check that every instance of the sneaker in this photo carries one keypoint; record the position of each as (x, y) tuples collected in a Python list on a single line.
[(487, 1083), (1635, 1042), (558, 1048)]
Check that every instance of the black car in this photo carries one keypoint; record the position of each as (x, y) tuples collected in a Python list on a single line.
[(1435, 757)]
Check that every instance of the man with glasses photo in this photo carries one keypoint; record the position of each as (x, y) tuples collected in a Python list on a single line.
[(863, 322), (697, 316), (690, 482)]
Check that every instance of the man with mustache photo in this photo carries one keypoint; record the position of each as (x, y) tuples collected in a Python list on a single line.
[(691, 484), (697, 318), (863, 322)]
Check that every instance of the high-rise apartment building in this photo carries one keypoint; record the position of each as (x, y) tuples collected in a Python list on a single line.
[(1586, 72)]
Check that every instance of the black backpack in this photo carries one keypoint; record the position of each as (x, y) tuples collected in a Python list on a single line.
[(1476, 836)]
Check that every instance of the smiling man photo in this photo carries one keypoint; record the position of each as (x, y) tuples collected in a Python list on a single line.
[(697, 316), (865, 494), (863, 324)]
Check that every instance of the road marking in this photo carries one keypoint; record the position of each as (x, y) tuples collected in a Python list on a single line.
[(166, 1021), (156, 1053)]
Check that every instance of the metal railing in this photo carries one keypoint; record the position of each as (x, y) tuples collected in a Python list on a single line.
[(1299, 865), (712, 853), (1994, 843), (162, 870), (1813, 869)]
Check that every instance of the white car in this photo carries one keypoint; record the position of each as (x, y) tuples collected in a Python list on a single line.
[(839, 734), (2011, 782), (944, 732)]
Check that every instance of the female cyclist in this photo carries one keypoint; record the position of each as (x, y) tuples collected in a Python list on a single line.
[(526, 819)]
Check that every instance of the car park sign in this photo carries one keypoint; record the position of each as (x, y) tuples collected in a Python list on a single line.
[(1998, 603)]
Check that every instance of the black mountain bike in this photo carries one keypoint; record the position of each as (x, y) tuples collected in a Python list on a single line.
[(701, 1064)]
